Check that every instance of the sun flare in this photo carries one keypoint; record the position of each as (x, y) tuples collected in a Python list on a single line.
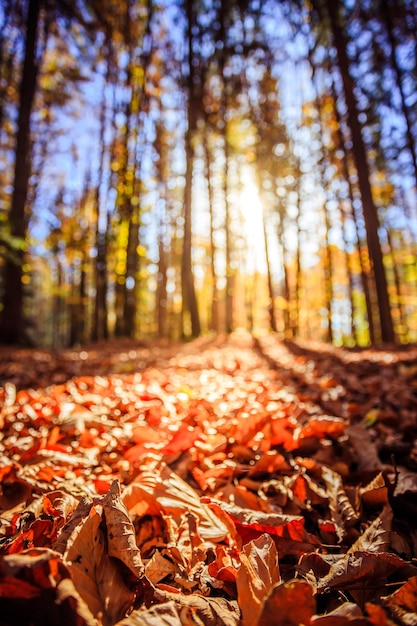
[(250, 207)]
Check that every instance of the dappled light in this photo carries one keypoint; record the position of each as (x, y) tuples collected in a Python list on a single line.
[(208, 313), (206, 166), (222, 481)]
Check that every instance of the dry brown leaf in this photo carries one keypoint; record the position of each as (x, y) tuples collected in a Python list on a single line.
[(202, 611), (343, 513), (67, 594), (258, 573), (288, 604), (175, 498), (120, 531), (60, 504), (320, 427), (403, 603), (375, 493), (376, 537), (76, 520), (96, 576), (347, 614), (158, 567), (358, 569), (36, 588), (378, 616), (364, 449), (164, 614), (289, 526)]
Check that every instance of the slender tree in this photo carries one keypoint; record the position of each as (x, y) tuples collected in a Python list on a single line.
[(11, 324), (214, 312), (362, 166), (100, 310), (346, 171), (190, 306)]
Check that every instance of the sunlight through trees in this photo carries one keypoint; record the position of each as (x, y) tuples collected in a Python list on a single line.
[(175, 168)]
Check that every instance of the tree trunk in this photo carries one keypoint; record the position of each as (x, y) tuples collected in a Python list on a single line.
[(11, 326), (189, 299), (363, 276), (214, 313), (136, 135), (322, 166), (223, 119), (229, 271), (162, 295), (288, 330), (58, 309), (295, 300), (100, 313), (362, 167), (296, 304), (399, 282), (132, 271), (271, 295)]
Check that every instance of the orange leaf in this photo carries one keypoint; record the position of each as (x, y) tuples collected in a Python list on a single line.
[(258, 573), (183, 439), (403, 602), (291, 603)]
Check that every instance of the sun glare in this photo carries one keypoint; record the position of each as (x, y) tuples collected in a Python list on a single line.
[(251, 211)]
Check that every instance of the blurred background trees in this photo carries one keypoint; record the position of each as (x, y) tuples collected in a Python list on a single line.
[(174, 168)]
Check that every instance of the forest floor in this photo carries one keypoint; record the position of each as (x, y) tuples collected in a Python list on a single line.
[(228, 481)]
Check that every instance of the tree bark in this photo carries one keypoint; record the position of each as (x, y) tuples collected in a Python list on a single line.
[(100, 314), (288, 330), (223, 119), (363, 276), (11, 325), (214, 309), (271, 295), (362, 167), (189, 298)]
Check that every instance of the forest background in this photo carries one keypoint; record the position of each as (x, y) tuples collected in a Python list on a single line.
[(172, 168)]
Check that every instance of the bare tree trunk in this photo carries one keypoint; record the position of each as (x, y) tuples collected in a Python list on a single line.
[(161, 295), (324, 162), (362, 167), (131, 278), (363, 275), (58, 330), (137, 136), (229, 271), (295, 309), (100, 312), (398, 282), (295, 298), (271, 295), (214, 317), (187, 277), (288, 330), (11, 325), (223, 119)]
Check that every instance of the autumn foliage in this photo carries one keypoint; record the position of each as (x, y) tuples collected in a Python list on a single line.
[(225, 482)]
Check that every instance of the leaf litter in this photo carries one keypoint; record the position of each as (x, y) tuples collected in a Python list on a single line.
[(227, 481)]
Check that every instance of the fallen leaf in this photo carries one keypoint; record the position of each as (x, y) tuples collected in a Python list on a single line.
[(287, 604), (258, 573), (402, 604)]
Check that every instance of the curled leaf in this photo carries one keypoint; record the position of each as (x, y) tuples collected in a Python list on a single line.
[(258, 573)]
